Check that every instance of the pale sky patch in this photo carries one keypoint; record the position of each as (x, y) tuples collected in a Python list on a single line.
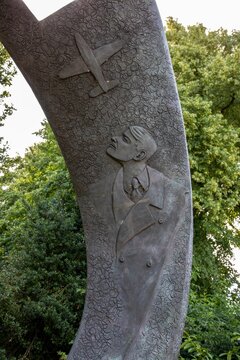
[(44, 8), (212, 13)]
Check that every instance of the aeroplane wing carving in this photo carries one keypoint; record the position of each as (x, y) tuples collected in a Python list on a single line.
[(91, 61)]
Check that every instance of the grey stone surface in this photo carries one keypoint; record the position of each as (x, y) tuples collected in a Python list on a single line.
[(101, 70)]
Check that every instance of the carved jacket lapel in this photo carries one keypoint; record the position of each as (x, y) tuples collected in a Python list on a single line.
[(121, 202), (134, 218)]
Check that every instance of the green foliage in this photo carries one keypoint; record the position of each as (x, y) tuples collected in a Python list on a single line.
[(208, 78), (194, 350), (63, 356), (7, 72), (42, 263), (206, 69), (211, 324), (234, 352)]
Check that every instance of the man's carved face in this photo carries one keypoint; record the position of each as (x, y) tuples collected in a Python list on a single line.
[(124, 147)]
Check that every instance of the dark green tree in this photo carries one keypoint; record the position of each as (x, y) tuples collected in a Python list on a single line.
[(208, 78), (199, 57), (42, 267), (7, 71)]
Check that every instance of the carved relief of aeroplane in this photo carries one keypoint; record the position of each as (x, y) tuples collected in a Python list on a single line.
[(91, 61)]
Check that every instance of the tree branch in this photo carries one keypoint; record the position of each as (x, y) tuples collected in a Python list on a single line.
[(229, 104)]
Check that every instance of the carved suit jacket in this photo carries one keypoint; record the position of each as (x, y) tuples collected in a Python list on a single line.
[(152, 219), (146, 234), (140, 238), (141, 234)]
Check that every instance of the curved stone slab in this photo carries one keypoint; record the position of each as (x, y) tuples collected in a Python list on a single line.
[(102, 73)]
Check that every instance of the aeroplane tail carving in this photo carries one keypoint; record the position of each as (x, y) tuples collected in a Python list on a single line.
[(98, 90)]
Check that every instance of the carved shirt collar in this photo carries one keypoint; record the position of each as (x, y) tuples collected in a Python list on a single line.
[(154, 194), (143, 179)]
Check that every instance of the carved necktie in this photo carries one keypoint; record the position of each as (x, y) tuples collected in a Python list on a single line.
[(137, 190)]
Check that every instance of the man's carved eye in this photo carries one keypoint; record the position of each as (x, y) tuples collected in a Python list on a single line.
[(126, 139)]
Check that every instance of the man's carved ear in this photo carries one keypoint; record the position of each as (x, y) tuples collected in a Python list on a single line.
[(141, 154)]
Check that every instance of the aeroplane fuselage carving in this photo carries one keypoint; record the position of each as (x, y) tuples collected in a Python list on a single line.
[(91, 61)]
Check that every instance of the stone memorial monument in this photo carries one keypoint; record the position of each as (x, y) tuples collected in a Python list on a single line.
[(102, 73)]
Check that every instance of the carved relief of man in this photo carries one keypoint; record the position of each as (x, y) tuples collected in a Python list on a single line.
[(148, 208), (141, 211)]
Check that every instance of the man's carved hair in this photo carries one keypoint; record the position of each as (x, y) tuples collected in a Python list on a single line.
[(144, 139)]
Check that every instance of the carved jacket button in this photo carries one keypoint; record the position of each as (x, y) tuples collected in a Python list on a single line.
[(162, 218), (149, 263), (121, 259)]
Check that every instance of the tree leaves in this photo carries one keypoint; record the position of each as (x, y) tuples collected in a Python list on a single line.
[(42, 263), (206, 65)]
